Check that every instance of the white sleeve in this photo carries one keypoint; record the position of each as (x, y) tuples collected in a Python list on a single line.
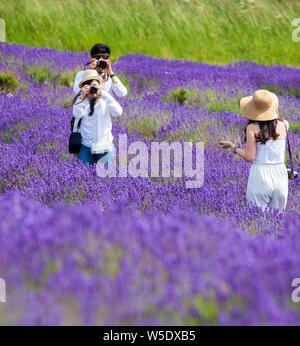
[(114, 107), (119, 89), (78, 79), (79, 110)]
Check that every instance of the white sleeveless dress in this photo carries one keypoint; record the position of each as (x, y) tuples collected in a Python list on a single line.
[(268, 178)]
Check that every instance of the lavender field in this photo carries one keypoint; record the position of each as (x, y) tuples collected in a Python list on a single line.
[(80, 249)]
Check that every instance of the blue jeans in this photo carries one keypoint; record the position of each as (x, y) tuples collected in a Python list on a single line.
[(85, 156)]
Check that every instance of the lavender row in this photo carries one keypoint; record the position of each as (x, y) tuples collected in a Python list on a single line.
[(78, 265)]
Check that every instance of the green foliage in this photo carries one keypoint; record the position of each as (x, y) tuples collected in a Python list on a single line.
[(295, 92), (180, 95), (43, 74), (211, 31), (208, 98), (47, 146), (220, 102), (67, 102), (8, 82), (66, 78), (208, 309), (39, 72), (295, 127), (281, 91), (18, 179), (147, 126)]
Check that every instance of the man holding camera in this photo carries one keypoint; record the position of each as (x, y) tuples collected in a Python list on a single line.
[(100, 62)]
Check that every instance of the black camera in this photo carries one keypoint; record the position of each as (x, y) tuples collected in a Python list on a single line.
[(93, 89), (292, 174), (101, 64)]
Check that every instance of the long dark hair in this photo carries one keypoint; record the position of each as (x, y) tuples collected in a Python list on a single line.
[(267, 130), (92, 102)]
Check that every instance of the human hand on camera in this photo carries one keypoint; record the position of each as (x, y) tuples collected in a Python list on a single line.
[(84, 91), (94, 66), (108, 69), (96, 95), (99, 93), (226, 144), (94, 91)]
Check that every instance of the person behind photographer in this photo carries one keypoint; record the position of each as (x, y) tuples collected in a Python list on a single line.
[(95, 108), (265, 147), (112, 84)]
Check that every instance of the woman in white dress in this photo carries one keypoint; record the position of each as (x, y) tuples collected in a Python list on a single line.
[(265, 147)]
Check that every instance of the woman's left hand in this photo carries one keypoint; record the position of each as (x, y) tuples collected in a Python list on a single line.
[(226, 144)]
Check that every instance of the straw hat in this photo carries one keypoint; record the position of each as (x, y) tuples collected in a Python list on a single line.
[(90, 75), (262, 106)]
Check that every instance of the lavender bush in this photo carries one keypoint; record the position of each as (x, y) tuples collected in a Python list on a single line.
[(80, 249)]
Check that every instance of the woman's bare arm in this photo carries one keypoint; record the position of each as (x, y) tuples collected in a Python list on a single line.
[(247, 154)]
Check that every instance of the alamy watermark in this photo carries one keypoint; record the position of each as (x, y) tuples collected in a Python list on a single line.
[(296, 292), (138, 165), (296, 32), (2, 291), (2, 30)]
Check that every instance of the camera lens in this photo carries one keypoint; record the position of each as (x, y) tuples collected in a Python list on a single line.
[(93, 90), (102, 64)]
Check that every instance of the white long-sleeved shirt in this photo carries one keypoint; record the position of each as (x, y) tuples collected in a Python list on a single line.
[(97, 127), (119, 89)]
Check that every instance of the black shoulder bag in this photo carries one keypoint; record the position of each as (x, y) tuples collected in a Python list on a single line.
[(75, 138), (291, 173)]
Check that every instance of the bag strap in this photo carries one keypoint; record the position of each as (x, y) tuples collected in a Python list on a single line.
[(79, 123), (289, 146)]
